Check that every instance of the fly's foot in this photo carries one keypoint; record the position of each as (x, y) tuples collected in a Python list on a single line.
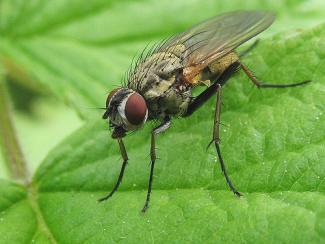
[(104, 198), (145, 207), (237, 193)]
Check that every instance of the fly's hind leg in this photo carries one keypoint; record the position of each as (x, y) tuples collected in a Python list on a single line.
[(260, 84), (201, 99), (216, 141)]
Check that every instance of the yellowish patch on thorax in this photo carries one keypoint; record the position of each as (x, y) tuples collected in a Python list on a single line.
[(220, 65), (203, 77)]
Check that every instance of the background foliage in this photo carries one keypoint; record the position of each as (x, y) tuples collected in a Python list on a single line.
[(60, 58)]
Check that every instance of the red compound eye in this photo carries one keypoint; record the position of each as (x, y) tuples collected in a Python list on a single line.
[(135, 109)]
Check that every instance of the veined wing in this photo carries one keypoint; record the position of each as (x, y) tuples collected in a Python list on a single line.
[(217, 36)]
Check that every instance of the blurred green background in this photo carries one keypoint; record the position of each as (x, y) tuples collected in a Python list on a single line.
[(58, 61)]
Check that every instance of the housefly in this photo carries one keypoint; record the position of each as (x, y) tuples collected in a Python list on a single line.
[(159, 85)]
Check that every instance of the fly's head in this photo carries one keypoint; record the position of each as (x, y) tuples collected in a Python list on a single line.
[(126, 111)]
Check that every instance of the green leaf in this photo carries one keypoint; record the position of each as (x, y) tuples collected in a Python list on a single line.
[(273, 147), (20, 218)]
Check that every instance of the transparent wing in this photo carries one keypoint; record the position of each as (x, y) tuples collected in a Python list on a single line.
[(215, 37)]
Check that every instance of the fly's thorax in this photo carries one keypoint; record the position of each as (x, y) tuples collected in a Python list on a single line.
[(159, 69), (126, 110), (157, 79)]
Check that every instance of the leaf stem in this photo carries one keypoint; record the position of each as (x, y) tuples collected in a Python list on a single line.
[(42, 225), (12, 153)]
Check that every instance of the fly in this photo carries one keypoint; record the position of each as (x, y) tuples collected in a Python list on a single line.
[(160, 84)]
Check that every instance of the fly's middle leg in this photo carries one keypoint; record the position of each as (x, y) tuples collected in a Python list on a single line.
[(161, 128), (260, 84)]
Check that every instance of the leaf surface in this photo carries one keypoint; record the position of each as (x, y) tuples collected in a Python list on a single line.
[(273, 147)]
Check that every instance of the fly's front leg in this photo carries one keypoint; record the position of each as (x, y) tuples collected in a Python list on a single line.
[(260, 84), (120, 177), (216, 140), (161, 128)]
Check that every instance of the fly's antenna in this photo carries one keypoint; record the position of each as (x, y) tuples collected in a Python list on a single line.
[(95, 108)]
